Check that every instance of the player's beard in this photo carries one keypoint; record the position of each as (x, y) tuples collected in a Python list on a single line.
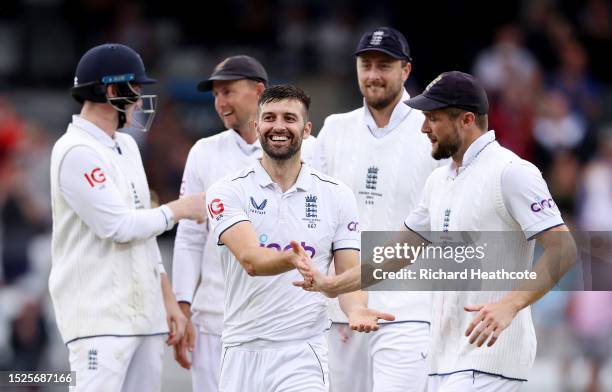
[(381, 102), (447, 148), (285, 153)]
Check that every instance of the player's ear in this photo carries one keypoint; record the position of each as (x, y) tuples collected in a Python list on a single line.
[(259, 88), (307, 129), (468, 119), (406, 69), (111, 90)]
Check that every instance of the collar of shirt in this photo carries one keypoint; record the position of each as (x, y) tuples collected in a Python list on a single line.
[(472, 152), (400, 112), (303, 182), (93, 130), (247, 148)]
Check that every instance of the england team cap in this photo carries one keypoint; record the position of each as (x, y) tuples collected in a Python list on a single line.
[(452, 89), (235, 68), (386, 40)]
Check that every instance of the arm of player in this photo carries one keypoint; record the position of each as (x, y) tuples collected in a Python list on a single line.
[(351, 279), (241, 239), (95, 198), (174, 316), (187, 343), (355, 303), (190, 237), (331, 286), (522, 185), (347, 236), (492, 318), (189, 245), (232, 227)]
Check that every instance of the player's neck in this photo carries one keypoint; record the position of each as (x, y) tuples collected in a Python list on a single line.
[(100, 116), (470, 138), (383, 116), (248, 132), (284, 173)]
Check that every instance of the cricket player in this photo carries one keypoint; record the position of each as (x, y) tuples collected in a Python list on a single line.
[(236, 83), (107, 283), (268, 218), (379, 151), (485, 187)]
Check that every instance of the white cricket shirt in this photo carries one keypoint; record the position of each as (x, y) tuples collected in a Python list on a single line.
[(196, 269), (104, 276), (318, 212), (493, 190)]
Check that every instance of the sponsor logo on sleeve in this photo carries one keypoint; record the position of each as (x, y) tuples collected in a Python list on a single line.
[(542, 205), (96, 176), (353, 226), (216, 208)]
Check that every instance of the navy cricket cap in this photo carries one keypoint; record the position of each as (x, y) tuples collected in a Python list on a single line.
[(452, 89), (235, 68), (386, 40)]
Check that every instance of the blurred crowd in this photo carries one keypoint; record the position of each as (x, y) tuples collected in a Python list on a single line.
[(546, 69)]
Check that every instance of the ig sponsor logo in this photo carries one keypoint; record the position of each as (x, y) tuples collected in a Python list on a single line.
[(95, 177), (215, 207)]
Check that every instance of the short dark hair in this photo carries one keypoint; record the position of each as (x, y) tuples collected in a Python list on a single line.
[(482, 120), (285, 91)]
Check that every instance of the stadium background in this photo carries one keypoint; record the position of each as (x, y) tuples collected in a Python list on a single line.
[(546, 65)]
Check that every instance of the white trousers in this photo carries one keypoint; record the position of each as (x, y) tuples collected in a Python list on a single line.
[(117, 364), (392, 359), (294, 366), (206, 359), (470, 381)]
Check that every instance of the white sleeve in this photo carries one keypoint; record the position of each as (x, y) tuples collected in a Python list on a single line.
[(307, 151), (528, 199), (419, 219), (347, 235), (95, 198), (224, 208), (190, 237), (318, 156)]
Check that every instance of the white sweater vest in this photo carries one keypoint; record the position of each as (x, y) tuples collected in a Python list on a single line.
[(387, 176), (100, 287), (473, 201)]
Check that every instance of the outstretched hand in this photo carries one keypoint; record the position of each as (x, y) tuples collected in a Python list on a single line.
[(302, 261), (366, 319), (314, 280)]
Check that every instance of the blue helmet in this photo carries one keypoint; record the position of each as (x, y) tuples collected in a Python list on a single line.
[(107, 64)]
